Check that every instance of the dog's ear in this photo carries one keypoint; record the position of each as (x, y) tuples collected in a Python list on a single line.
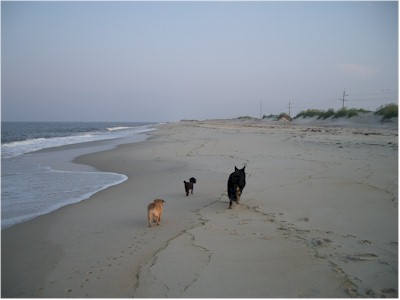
[(236, 169), (243, 168)]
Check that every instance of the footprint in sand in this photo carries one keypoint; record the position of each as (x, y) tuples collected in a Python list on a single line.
[(348, 236), (362, 257), (365, 242), (244, 222), (256, 208), (320, 242), (383, 293)]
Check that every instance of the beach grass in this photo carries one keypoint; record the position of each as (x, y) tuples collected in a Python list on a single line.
[(387, 111)]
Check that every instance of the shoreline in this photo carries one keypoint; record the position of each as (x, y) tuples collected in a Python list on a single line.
[(59, 161), (101, 247)]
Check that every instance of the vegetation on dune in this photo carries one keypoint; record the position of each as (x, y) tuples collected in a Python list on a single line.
[(271, 116), (327, 114), (387, 111), (284, 116), (330, 113), (309, 113), (352, 112), (245, 118)]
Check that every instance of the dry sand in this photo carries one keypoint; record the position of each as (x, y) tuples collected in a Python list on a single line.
[(318, 218)]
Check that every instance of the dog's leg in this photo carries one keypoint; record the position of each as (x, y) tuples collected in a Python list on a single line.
[(186, 188), (238, 194), (230, 203), (149, 219)]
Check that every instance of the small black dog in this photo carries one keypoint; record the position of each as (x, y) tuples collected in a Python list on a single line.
[(189, 185), (236, 184)]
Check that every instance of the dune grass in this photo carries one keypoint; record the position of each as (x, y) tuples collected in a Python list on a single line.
[(330, 113), (387, 111)]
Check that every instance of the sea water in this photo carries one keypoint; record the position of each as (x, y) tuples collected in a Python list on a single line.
[(33, 184)]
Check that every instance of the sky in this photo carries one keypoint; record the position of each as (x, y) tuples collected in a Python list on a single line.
[(168, 61)]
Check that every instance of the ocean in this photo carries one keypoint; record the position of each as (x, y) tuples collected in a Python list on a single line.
[(35, 182)]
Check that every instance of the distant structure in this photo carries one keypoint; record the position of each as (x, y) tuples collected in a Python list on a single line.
[(289, 109), (344, 95)]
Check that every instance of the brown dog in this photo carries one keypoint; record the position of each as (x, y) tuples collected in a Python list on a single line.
[(154, 211)]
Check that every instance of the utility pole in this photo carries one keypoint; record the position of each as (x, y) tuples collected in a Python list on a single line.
[(260, 110), (289, 108), (344, 95)]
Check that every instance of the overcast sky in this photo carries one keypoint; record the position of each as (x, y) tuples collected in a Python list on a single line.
[(166, 61)]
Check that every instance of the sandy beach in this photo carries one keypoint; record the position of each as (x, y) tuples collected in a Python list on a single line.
[(317, 218)]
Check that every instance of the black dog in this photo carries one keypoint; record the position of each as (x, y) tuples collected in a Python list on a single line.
[(189, 185), (236, 184)]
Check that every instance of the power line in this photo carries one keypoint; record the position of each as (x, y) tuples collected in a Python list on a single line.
[(375, 99), (375, 94)]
